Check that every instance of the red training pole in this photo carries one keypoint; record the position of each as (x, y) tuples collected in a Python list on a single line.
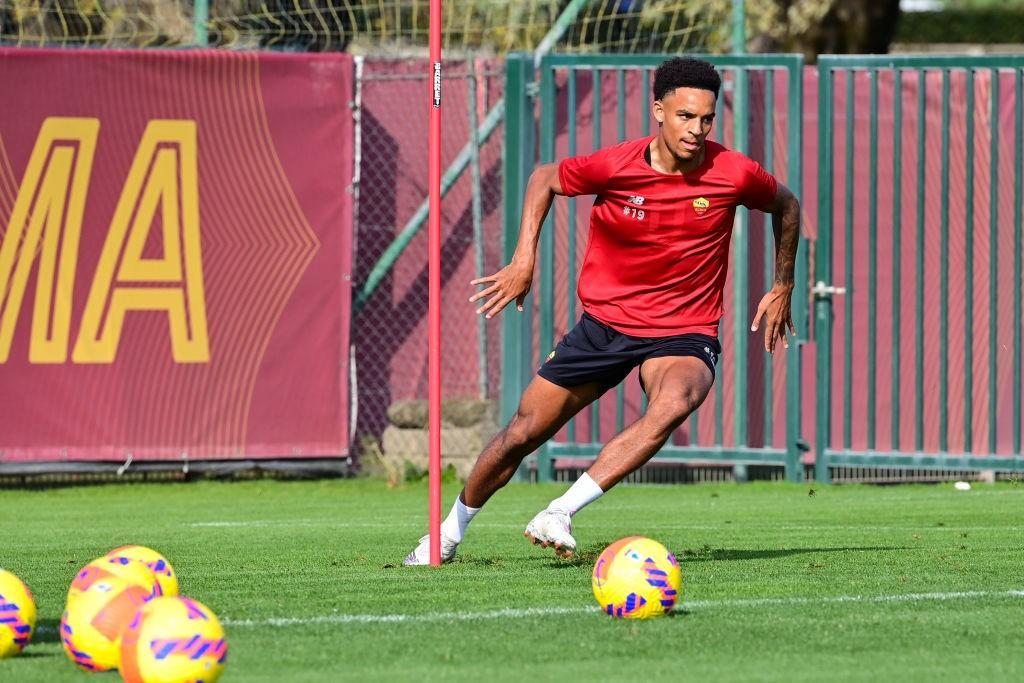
[(434, 279)]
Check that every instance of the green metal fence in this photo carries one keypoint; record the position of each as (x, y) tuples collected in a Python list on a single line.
[(921, 364), (559, 89)]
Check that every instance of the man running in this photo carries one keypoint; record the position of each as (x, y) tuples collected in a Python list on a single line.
[(651, 288)]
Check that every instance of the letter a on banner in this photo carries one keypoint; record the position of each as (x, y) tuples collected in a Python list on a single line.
[(48, 209), (164, 175)]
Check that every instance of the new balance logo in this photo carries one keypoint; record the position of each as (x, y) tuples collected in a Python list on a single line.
[(636, 199)]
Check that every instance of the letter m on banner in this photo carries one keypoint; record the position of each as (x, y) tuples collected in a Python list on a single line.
[(49, 205), (47, 223)]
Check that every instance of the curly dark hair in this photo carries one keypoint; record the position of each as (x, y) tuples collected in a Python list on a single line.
[(685, 72)]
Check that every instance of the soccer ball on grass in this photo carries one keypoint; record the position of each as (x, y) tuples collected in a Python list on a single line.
[(173, 640), (636, 578), (165, 575), (17, 614), (92, 624)]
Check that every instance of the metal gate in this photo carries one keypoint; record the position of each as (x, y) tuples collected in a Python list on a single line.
[(759, 113), (919, 358)]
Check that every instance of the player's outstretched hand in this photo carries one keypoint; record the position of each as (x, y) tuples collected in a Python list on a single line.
[(511, 282), (775, 307)]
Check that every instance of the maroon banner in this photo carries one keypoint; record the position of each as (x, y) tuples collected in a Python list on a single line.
[(176, 253)]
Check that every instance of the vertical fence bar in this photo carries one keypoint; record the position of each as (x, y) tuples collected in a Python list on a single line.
[(872, 368), (478, 222), (922, 91), (944, 273), (741, 274), (1018, 172), (722, 115), (794, 380), (742, 242), (969, 270), (645, 109), (823, 266), (516, 328), (620, 111), (645, 118), (769, 253), (851, 80), (739, 26), (548, 113), (993, 254), (897, 249), (595, 407), (721, 120), (571, 219), (200, 22), (620, 105)]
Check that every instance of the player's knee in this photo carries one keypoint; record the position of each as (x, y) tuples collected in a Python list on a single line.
[(668, 412), (693, 396), (519, 433)]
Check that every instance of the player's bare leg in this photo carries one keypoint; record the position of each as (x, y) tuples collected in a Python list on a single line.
[(543, 409), (676, 386)]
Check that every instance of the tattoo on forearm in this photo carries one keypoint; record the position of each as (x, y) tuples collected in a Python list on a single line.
[(786, 226)]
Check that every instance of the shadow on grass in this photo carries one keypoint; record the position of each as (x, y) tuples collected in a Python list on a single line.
[(678, 612), (709, 554), (47, 631), (589, 554), (33, 654)]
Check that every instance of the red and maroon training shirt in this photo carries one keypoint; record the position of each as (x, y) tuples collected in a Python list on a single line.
[(658, 249)]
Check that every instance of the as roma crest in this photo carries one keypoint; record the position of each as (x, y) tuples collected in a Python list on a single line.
[(700, 206)]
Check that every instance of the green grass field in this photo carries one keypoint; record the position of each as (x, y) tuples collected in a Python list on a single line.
[(906, 583)]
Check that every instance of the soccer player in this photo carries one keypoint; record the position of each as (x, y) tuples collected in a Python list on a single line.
[(651, 290)]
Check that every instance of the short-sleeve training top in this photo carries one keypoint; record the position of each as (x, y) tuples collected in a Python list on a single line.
[(658, 249)]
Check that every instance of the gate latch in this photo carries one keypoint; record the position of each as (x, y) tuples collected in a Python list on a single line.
[(823, 291)]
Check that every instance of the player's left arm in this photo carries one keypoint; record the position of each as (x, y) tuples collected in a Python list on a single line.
[(775, 306)]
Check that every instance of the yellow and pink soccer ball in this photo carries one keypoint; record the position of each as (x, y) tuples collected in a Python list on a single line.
[(173, 640), (637, 578), (17, 615), (92, 624), (156, 562)]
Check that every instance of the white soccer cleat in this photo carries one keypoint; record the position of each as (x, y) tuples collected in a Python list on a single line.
[(552, 528), (421, 553)]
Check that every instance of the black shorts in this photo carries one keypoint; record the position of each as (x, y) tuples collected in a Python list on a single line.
[(594, 352)]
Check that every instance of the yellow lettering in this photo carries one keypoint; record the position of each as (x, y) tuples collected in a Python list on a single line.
[(49, 206), (164, 175)]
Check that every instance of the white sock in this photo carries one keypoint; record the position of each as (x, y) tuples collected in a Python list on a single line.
[(454, 525), (584, 492)]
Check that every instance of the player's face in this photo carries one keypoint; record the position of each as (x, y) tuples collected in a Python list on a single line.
[(686, 116)]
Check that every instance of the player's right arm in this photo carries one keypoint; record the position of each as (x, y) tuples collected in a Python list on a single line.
[(513, 282), (573, 176)]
